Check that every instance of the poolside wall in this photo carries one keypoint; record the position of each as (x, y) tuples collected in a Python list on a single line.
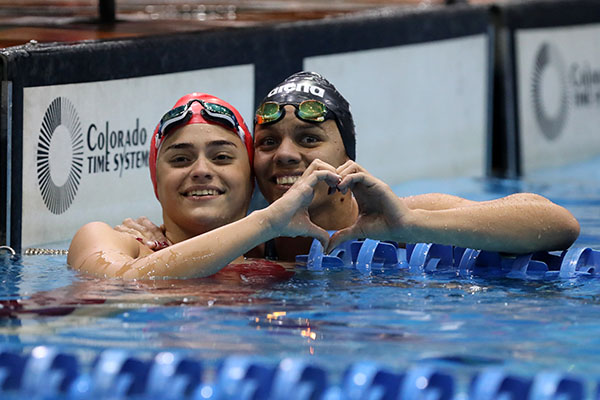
[(547, 85), (419, 82), (68, 100)]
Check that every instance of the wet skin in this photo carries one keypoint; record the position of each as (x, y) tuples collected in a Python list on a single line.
[(203, 180), (520, 223), (284, 149)]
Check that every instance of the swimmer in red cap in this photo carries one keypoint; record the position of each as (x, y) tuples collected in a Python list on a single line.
[(200, 165), (304, 125)]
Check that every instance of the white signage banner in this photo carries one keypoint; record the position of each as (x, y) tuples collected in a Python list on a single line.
[(558, 78), (420, 110), (85, 146)]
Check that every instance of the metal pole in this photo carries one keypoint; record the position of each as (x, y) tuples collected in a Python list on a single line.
[(107, 10)]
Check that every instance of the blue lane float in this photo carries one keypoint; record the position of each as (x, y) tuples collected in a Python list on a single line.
[(11, 371), (46, 373), (367, 380), (115, 373), (370, 255), (297, 379), (553, 385), (241, 378), (173, 376), (494, 383)]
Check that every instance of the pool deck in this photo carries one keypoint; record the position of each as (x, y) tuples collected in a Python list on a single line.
[(75, 21)]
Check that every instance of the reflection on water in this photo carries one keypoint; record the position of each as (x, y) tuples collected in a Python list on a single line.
[(335, 317)]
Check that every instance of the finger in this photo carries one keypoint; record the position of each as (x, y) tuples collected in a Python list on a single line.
[(127, 230), (317, 165), (351, 174), (141, 237), (119, 228), (302, 192), (318, 233), (341, 236), (128, 221), (133, 224), (163, 229), (328, 176), (365, 180), (155, 231), (145, 222), (159, 245), (350, 181), (152, 244), (345, 165), (349, 167), (143, 228), (330, 179)]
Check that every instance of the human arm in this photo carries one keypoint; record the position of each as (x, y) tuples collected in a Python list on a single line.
[(519, 223), (99, 249)]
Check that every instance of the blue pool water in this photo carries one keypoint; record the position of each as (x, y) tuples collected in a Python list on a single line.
[(334, 318)]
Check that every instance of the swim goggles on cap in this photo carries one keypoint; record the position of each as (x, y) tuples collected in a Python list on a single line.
[(210, 111), (308, 110)]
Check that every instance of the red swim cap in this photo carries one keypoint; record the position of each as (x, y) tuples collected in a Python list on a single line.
[(198, 118)]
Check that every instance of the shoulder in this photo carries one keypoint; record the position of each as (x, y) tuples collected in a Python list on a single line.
[(99, 238), (96, 234), (94, 228)]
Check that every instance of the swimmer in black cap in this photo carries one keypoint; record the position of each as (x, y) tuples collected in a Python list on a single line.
[(301, 120), (321, 100), (304, 124)]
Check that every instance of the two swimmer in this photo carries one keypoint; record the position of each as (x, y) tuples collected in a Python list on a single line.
[(304, 147), (200, 157)]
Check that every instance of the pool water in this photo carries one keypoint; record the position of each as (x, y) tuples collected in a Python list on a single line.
[(334, 318)]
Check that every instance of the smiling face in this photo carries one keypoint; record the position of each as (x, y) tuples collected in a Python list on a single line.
[(203, 180), (284, 149)]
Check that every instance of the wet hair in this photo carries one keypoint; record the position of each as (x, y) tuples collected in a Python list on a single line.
[(307, 85)]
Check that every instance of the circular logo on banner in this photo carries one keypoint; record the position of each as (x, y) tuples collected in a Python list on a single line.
[(59, 155), (549, 91)]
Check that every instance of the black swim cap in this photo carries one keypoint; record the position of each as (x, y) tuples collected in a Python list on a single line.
[(305, 85)]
